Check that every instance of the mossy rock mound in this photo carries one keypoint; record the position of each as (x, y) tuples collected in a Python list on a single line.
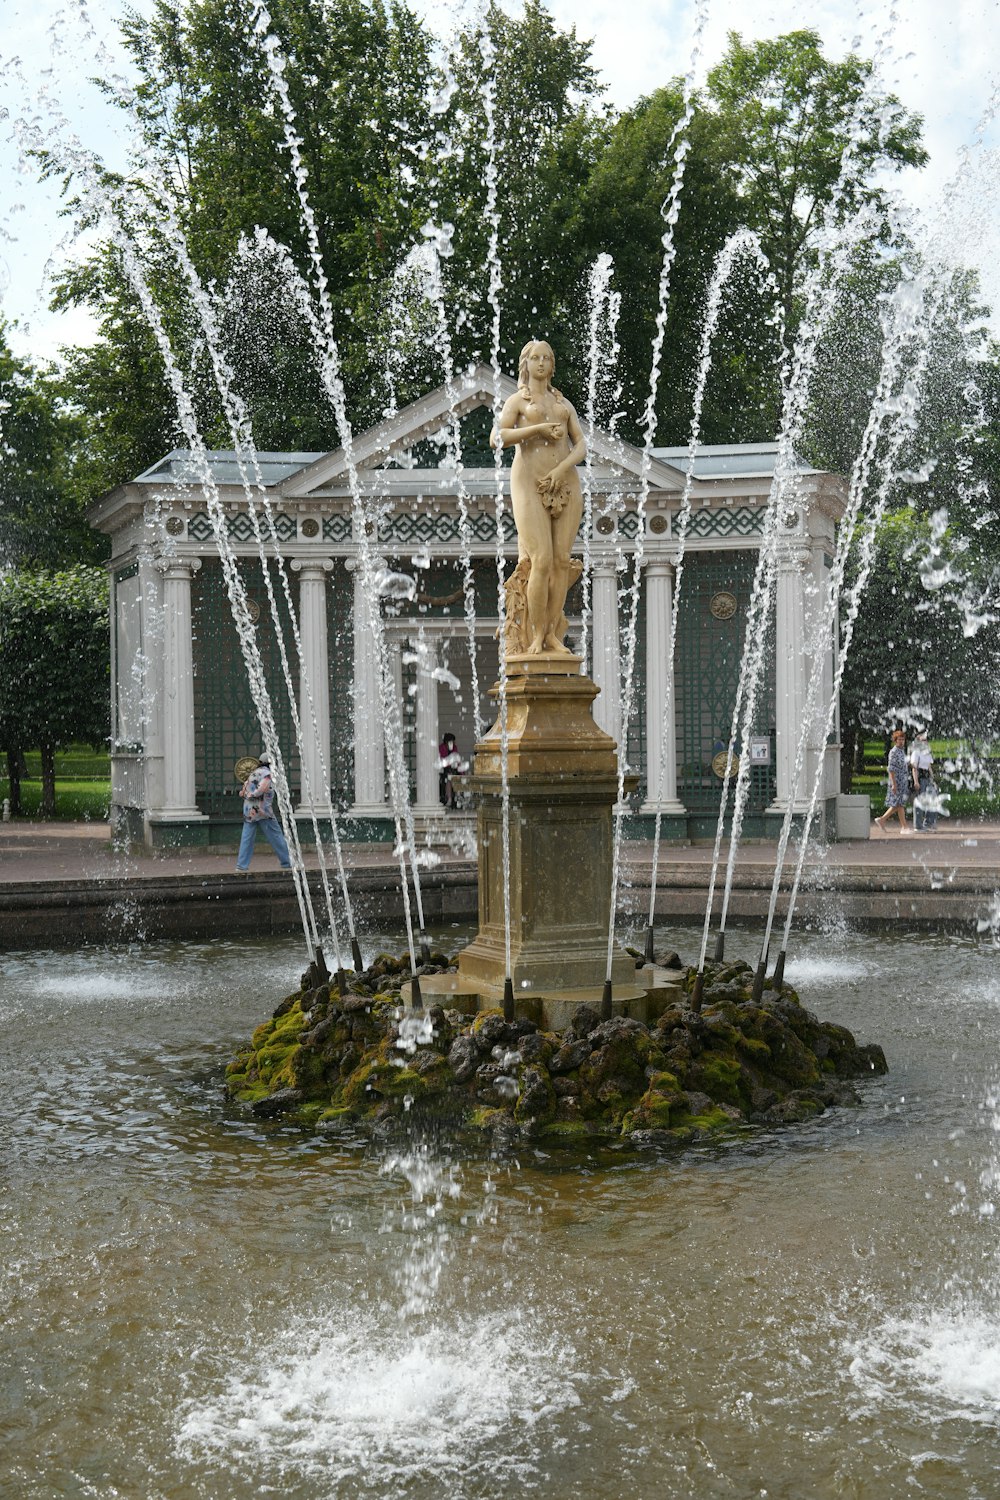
[(326, 1058)]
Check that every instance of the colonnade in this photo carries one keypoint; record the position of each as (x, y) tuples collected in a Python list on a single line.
[(177, 798)]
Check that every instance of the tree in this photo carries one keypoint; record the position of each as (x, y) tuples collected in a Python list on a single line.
[(788, 114), (624, 198), (916, 655), (211, 134), (54, 687), (42, 518), (547, 134)]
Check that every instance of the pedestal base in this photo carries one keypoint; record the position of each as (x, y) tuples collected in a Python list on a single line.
[(648, 995), (562, 786)]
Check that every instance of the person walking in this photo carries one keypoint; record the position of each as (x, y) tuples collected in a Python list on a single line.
[(924, 790), (258, 813), (898, 785)]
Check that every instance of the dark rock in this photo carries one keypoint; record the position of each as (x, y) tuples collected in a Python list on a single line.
[(696, 1103), (278, 1103), (646, 1140), (620, 1029), (570, 1056), (568, 1110), (718, 994), (762, 1099), (318, 1035), (463, 1058), (535, 1048), (537, 1103), (349, 1059), (585, 1018), (670, 960), (688, 1078), (494, 1031), (793, 1109)]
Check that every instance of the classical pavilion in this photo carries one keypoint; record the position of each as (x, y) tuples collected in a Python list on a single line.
[(183, 713)]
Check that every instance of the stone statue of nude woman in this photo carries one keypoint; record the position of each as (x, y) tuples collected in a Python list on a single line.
[(545, 492)]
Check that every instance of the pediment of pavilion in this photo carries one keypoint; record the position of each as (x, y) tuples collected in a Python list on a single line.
[(395, 444)]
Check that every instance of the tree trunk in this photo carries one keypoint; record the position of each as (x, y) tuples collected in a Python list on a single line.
[(15, 760), (48, 803)]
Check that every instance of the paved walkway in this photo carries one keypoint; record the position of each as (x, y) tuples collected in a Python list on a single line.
[(63, 883), (38, 851)]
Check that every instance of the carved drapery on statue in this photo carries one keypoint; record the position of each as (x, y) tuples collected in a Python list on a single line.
[(516, 629)]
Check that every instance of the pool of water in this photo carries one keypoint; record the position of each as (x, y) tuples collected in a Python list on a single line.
[(197, 1305)]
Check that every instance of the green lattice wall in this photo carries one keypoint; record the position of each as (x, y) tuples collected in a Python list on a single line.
[(709, 654), (226, 725)]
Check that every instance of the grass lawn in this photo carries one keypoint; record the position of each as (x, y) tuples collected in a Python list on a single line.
[(963, 802), (83, 784), (75, 800)]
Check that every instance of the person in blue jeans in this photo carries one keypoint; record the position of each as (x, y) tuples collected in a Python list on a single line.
[(258, 812)]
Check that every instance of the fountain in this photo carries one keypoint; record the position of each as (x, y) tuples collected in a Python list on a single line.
[(572, 1037), (423, 1326)]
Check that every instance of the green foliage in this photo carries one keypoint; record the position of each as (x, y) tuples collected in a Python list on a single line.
[(211, 135), (42, 520), (54, 647), (623, 204), (788, 113), (916, 655), (547, 136)]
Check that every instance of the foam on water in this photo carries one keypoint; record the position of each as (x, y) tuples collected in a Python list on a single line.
[(949, 1358), (802, 972), (354, 1399)]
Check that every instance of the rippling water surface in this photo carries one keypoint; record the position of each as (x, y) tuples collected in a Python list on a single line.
[(196, 1305)]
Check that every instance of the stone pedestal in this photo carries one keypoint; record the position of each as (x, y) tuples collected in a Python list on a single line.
[(563, 783)]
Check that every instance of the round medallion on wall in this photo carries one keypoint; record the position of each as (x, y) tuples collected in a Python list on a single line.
[(253, 610), (175, 526), (723, 605), (310, 526), (719, 765), (657, 525), (605, 525)]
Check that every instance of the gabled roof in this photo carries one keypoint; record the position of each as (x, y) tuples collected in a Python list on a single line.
[(179, 468), (380, 444), (730, 460)]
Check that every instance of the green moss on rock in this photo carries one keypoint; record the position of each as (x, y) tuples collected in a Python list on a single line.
[(326, 1059)]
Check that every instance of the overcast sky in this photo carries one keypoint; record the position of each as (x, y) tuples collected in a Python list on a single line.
[(942, 63)]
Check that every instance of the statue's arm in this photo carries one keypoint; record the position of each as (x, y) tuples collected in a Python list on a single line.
[(507, 433), (578, 446)]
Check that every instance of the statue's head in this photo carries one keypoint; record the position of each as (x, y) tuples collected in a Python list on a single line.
[(535, 347)]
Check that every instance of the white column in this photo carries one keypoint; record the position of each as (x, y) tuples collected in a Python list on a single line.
[(791, 676), (178, 691), (661, 739), (314, 683), (369, 738), (605, 647), (427, 729)]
